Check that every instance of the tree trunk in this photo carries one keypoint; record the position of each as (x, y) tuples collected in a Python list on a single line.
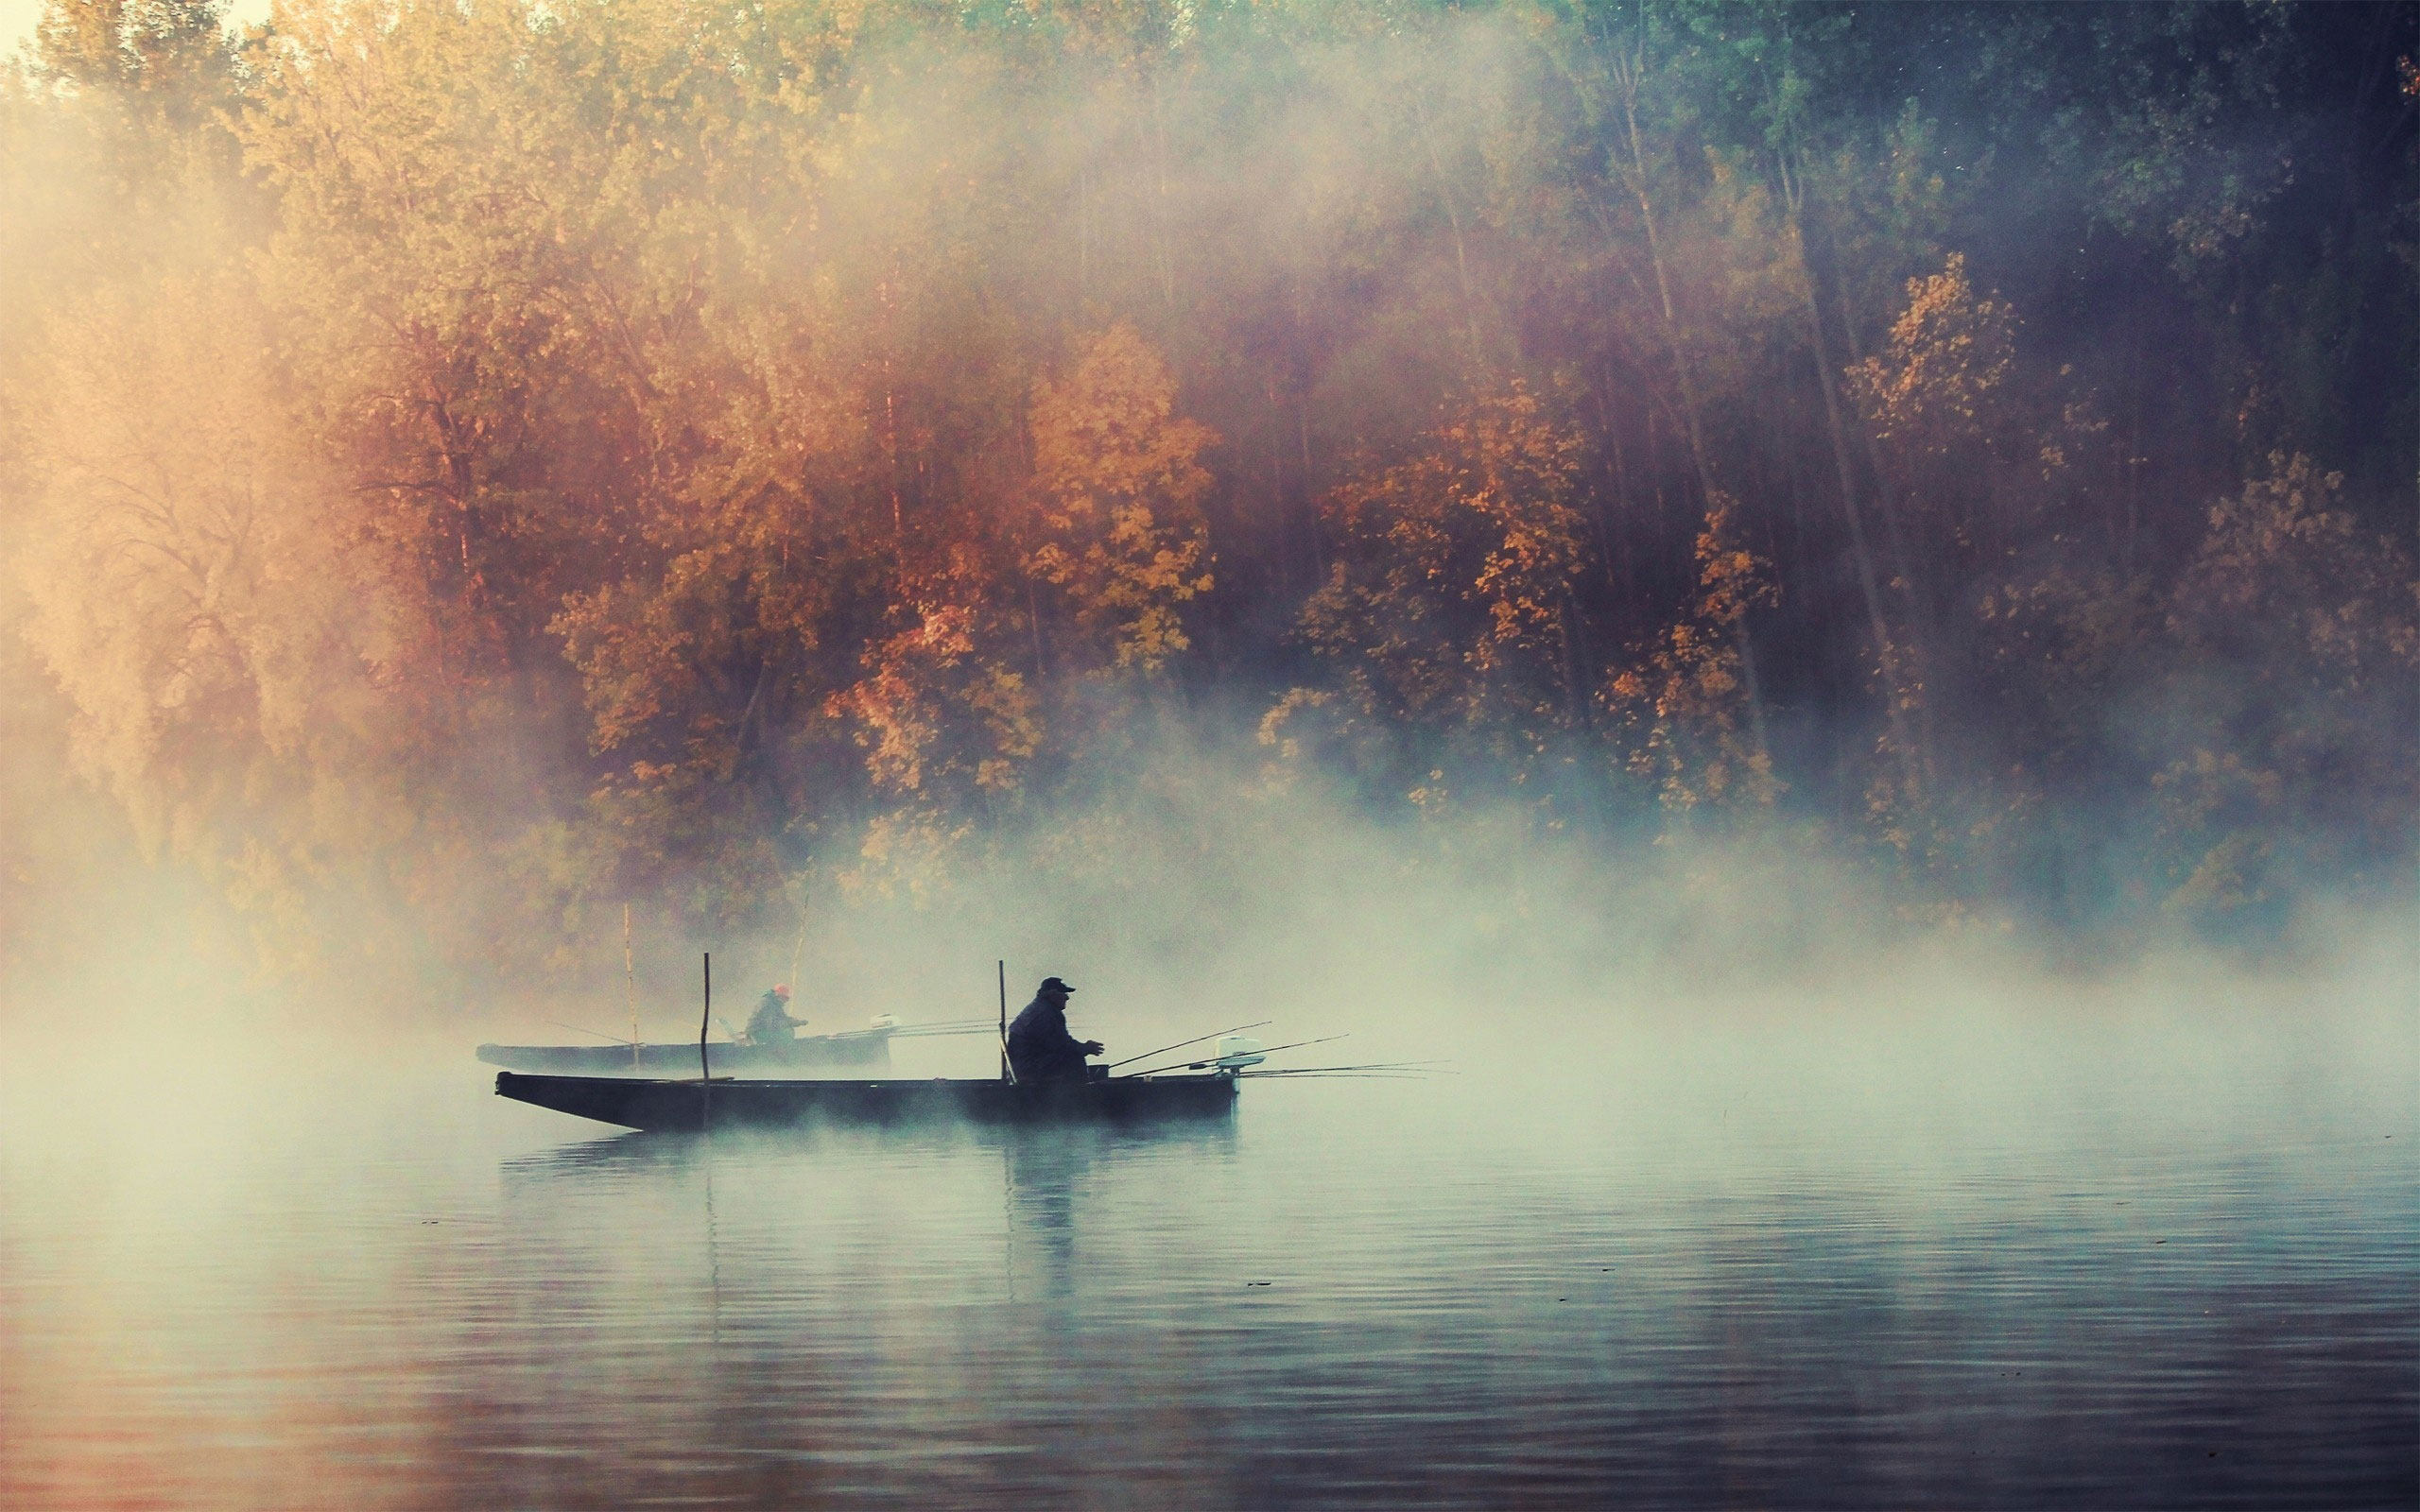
[(1910, 563), (1626, 78), (1454, 220), (1861, 550)]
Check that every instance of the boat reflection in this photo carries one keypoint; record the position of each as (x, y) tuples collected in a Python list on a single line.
[(1051, 1176), (768, 1235), (1036, 1148)]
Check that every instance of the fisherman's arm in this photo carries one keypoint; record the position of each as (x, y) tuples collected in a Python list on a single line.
[(1075, 1046)]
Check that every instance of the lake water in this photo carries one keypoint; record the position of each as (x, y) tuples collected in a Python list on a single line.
[(2025, 1258)]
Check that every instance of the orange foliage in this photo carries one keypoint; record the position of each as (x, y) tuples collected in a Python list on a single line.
[(1118, 484), (1684, 708), (1450, 605)]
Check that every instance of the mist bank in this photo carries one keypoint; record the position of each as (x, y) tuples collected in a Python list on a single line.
[(1202, 893), (1738, 480)]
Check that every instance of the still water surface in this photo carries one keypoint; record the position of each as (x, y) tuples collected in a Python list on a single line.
[(2032, 1263)]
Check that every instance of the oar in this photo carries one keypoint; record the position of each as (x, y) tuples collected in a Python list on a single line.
[(1182, 1043), (1270, 1051)]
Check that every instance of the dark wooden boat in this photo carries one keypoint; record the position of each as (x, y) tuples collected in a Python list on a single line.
[(859, 1048), (658, 1103)]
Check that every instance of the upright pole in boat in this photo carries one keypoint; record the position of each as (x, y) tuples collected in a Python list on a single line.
[(705, 1081), (1008, 1073), (630, 986)]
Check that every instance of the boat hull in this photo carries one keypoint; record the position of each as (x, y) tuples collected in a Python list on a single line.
[(662, 1104), (868, 1047)]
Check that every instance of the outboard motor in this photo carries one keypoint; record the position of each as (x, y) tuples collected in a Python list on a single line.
[(1236, 1052)]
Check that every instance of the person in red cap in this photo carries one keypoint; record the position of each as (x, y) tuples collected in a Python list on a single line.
[(771, 1023), (1039, 1047)]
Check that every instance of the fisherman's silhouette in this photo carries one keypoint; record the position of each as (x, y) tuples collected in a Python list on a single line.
[(1039, 1047), (1056, 1175), (771, 1023), (1044, 1168)]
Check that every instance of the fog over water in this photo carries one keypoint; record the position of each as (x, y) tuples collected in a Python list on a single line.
[(1957, 1227), (1812, 607)]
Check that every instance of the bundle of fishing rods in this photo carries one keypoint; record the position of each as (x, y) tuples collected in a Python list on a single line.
[(902, 1031), (1246, 1063), (924, 1031)]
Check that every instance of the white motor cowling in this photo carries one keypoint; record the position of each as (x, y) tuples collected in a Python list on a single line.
[(1238, 1051)]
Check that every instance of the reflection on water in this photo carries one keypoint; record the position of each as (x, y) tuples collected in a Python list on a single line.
[(1774, 1284)]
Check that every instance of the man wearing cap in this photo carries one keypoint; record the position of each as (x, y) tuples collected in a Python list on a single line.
[(1039, 1047), (771, 1023)]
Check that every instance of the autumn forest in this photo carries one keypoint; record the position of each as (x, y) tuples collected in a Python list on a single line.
[(620, 449)]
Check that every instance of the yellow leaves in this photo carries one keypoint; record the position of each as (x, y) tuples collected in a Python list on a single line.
[(705, 345), (910, 851), (1448, 614), (1947, 354), (1274, 731), (2205, 780), (1118, 486), (633, 655), (929, 705), (1455, 567), (1731, 579), (1684, 708), (2218, 806), (2296, 694), (1109, 429), (2278, 562), (1753, 268), (1007, 706), (2225, 879), (894, 704), (1431, 798), (244, 664)]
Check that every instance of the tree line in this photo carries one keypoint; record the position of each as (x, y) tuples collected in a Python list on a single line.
[(614, 448)]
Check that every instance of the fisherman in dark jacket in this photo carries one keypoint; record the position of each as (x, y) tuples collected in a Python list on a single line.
[(1039, 1047), (771, 1023)]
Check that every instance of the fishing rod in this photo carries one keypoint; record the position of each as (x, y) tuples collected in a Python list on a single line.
[(576, 1029), (1347, 1075), (1417, 1068), (916, 1031), (1270, 1051), (1367, 1065), (1182, 1043)]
